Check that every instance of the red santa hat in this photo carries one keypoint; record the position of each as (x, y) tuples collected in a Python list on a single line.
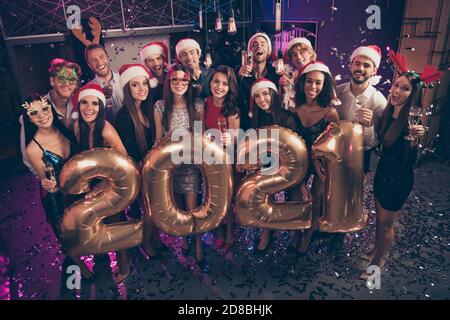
[(372, 52), (261, 83), (260, 34), (90, 89), (294, 42), (130, 71), (183, 44), (154, 48)]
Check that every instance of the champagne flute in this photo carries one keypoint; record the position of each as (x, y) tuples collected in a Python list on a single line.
[(415, 115), (222, 124), (50, 174), (247, 59)]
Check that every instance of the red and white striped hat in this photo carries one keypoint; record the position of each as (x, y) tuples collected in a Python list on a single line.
[(154, 48), (372, 52), (183, 44), (129, 71), (89, 89)]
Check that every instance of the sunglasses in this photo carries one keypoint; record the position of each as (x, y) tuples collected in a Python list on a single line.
[(35, 113), (63, 79), (178, 80)]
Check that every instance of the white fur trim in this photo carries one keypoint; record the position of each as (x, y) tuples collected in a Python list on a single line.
[(367, 52), (151, 50), (316, 67), (152, 82), (260, 34), (187, 43), (262, 85), (74, 115), (295, 41), (92, 92), (130, 73)]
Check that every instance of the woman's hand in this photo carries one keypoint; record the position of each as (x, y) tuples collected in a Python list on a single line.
[(49, 185), (416, 131)]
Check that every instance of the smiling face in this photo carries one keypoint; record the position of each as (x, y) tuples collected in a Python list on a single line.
[(362, 68), (300, 56), (219, 85), (263, 99), (400, 91), (313, 85), (139, 88), (190, 58), (64, 82), (40, 113), (260, 49), (89, 108), (97, 60), (156, 64), (179, 82)]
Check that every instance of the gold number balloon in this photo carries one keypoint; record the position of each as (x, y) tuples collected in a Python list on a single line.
[(82, 229), (253, 206), (340, 150), (157, 185)]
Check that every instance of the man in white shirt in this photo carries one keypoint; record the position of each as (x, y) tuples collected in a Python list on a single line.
[(363, 103), (98, 61)]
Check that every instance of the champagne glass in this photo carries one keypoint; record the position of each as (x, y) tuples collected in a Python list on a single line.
[(247, 59), (415, 115), (222, 124), (50, 174)]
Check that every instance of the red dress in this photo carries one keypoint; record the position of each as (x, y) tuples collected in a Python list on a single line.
[(213, 114)]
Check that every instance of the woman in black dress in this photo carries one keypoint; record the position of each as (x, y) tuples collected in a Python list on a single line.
[(394, 177)]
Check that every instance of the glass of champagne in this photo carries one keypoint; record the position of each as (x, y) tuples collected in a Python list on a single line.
[(415, 115), (50, 174), (222, 124), (247, 59)]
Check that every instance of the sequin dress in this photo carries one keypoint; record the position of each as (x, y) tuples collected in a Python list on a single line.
[(187, 176)]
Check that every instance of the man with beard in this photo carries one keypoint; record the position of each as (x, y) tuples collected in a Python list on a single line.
[(155, 56), (98, 61), (188, 53), (261, 48), (363, 103), (64, 77)]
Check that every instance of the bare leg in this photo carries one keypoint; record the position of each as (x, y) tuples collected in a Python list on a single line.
[(230, 228), (317, 193), (124, 263), (191, 203), (386, 235), (264, 239)]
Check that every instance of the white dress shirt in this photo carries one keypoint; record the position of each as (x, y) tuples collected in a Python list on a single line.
[(371, 99)]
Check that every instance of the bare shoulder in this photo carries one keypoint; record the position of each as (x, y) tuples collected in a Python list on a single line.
[(332, 115)]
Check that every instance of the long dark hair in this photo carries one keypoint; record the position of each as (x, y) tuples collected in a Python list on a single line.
[(31, 129), (189, 98), (147, 111), (325, 96), (387, 130), (230, 102), (262, 118), (98, 128)]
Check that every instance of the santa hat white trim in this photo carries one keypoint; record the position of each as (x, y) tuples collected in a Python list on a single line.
[(187, 43), (260, 34), (258, 85), (92, 92), (295, 41), (369, 52), (150, 50), (315, 66), (136, 71)]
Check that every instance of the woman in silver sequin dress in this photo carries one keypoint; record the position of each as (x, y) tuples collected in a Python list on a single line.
[(179, 110)]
